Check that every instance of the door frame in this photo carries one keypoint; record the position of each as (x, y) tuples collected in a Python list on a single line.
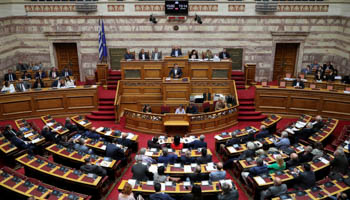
[(289, 37)]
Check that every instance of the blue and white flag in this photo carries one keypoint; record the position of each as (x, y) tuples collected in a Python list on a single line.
[(102, 49)]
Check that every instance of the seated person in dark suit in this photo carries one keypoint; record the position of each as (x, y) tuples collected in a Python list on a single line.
[(318, 123), (40, 74), (192, 109), (257, 170), (198, 143), (147, 109), (22, 66), (187, 159), (128, 55), (198, 176), (305, 133), (293, 161), (88, 167), (340, 163), (139, 170), (70, 126), (320, 76), (66, 72), (143, 55), (263, 133), (176, 51), (64, 141), (306, 156), (21, 144), (10, 76), (205, 158), (48, 135), (158, 195), (274, 191), (167, 158), (115, 152), (298, 83), (38, 83), (54, 74), (176, 72), (224, 54), (59, 83), (305, 179), (249, 153), (92, 134), (124, 140), (9, 132), (80, 146), (328, 66), (154, 143), (331, 76), (193, 54), (22, 86), (26, 76)]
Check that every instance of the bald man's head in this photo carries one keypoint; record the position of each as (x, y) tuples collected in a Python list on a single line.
[(277, 181), (124, 135), (219, 165), (294, 156)]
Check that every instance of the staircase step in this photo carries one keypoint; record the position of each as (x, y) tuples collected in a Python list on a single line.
[(111, 87), (105, 107), (237, 78), (240, 86), (106, 103), (252, 108), (249, 113), (237, 73), (252, 118), (100, 118), (246, 103), (115, 72), (112, 82), (240, 82), (102, 113), (114, 78)]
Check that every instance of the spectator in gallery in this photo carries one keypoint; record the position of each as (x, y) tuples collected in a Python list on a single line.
[(8, 87), (307, 70), (193, 54), (220, 104), (26, 76), (208, 55), (180, 110), (40, 74), (147, 108), (192, 109), (298, 83), (176, 51), (156, 55), (328, 66), (315, 66), (128, 55), (143, 55), (69, 82), (37, 66), (319, 76), (223, 54), (10, 76), (54, 74), (126, 193), (22, 66), (66, 72), (177, 145)]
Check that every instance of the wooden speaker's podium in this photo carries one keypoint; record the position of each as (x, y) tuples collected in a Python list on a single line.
[(181, 61), (176, 89)]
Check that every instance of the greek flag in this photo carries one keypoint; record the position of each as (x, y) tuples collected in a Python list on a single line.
[(102, 49)]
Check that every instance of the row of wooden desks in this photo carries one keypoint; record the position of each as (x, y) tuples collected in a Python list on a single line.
[(319, 192), (154, 153), (178, 169), (29, 132), (81, 121), (6, 147), (54, 125), (28, 187), (325, 131), (225, 136)]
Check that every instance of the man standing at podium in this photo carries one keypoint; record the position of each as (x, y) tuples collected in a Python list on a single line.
[(176, 72)]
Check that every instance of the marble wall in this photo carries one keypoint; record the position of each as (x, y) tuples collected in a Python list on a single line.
[(323, 37)]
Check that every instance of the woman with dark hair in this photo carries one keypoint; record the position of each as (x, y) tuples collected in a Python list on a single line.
[(176, 145), (193, 54), (8, 87)]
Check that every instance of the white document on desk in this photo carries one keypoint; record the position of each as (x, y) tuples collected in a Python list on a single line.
[(99, 129), (28, 135), (153, 169), (36, 140), (187, 169), (218, 137), (260, 180), (148, 153), (231, 149)]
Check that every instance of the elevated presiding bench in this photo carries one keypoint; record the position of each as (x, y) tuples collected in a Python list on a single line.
[(195, 123), (291, 101), (36, 103)]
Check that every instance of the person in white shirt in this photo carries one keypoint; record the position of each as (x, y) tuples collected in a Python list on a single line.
[(180, 110), (156, 55), (69, 82), (8, 87)]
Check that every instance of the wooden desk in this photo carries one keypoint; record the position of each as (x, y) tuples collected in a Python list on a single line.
[(321, 85), (290, 101), (325, 131), (194, 153), (173, 170), (156, 70), (81, 121), (29, 132), (177, 189), (6, 147), (54, 125), (176, 89), (225, 136), (36, 103)]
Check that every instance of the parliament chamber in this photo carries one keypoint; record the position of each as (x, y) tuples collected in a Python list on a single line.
[(174, 99)]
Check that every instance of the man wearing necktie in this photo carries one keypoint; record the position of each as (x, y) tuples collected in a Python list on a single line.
[(22, 86), (10, 76), (176, 51), (176, 72), (66, 72), (224, 54)]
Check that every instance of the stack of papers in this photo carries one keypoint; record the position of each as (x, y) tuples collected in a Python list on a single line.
[(150, 183), (99, 129), (105, 163), (108, 133), (82, 123), (49, 124), (210, 168), (28, 135), (325, 161), (187, 168), (153, 169), (160, 164), (260, 180), (153, 149), (194, 165), (130, 136), (300, 124), (187, 183), (177, 165), (231, 149), (218, 137), (132, 182), (36, 140), (205, 182), (225, 181), (289, 130), (149, 153), (103, 147)]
